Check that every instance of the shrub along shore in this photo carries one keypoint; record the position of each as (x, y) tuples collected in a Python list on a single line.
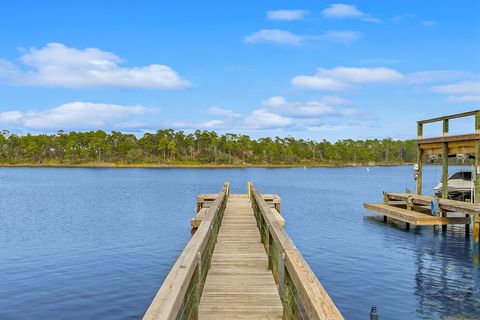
[(169, 148)]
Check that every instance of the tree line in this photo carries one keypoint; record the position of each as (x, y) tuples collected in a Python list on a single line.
[(200, 147)]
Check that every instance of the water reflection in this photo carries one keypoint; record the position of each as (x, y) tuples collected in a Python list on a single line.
[(447, 276)]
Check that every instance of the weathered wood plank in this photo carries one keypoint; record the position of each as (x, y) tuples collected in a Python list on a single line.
[(316, 302), (170, 297), (239, 284), (452, 116), (413, 217), (445, 204), (455, 138)]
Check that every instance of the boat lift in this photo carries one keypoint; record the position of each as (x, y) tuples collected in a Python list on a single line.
[(429, 210)]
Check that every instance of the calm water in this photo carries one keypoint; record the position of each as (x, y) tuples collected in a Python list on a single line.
[(97, 243)]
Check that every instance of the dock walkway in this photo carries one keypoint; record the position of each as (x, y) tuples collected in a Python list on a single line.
[(240, 264), (239, 281)]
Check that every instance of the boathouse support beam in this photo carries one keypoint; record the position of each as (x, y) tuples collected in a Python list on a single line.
[(445, 169), (475, 217), (419, 159)]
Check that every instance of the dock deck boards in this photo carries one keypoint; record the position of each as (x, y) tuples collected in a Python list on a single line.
[(413, 217), (239, 283), (447, 204)]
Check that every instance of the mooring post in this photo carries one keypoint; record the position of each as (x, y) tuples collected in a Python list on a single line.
[(409, 203), (476, 228), (467, 227), (373, 313)]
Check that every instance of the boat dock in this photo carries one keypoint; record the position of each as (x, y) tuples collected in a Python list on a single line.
[(241, 264), (418, 209)]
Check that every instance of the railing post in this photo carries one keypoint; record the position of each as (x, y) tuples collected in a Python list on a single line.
[(199, 262), (249, 190), (288, 299), (269, 252), (266, 237), (191, 307)]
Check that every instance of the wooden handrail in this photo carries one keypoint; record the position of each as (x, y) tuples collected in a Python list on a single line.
[(452, 116), (182, 287), (299, 281)]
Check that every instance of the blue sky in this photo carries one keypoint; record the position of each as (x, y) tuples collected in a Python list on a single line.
[(310, 69)]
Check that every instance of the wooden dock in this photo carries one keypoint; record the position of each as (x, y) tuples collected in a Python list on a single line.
[(239, 283), (416, 209), (241, 264)]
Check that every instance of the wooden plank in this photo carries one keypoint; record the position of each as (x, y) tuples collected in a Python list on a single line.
[(461, 144), (444, 204), (458, 147), (195, 223), (455, 138), (169, 298), (239, 284), (316, 302), (413, 217), (430, 146), (205, 200), (452, 116)]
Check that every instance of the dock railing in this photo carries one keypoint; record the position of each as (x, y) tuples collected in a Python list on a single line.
[(302, 294), (179, 296)]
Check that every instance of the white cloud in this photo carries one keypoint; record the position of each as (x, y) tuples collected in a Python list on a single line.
[(341, 10), (437, 76), (306, 109), (218, 111), (334, 100), (10, 117), (429, 23), (288, 15), (362, 75), (263, 119), (469, 87), (77, 115), (213, 124), (344, 37), (464, 99), (274, 36), (279, 113), (274, 101), (283, 37), (61, 66), (341, 78), (318, 83)]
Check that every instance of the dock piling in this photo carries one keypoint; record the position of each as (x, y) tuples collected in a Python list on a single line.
[(373, 313)]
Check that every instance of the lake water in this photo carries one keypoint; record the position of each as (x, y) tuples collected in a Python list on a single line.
[(97, 243)]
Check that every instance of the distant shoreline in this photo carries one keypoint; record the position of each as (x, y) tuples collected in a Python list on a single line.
[(194, 166)]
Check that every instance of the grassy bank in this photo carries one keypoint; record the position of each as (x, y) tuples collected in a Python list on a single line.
[(194, 165)]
